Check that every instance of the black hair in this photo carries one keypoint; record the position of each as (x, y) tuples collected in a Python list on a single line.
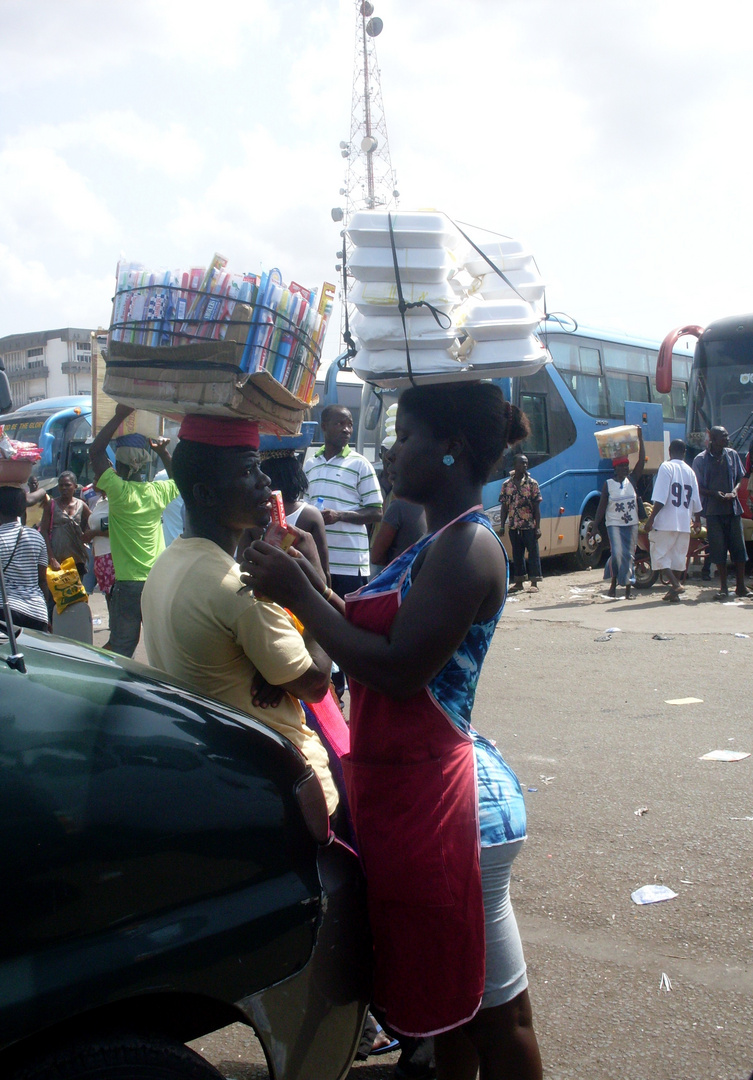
[(199, 463), (475, 411), (328, 410), (677, 446), (286, 475), (12, 501), (68, 475)]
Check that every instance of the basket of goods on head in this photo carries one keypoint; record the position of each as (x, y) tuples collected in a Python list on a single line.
[(432, 305), (208, 341), (617, 442), (17, 459)]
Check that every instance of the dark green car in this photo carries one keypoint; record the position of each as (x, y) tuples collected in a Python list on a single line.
[(167, 870)]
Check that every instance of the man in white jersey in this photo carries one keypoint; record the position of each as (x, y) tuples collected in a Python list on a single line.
[(676, 501)]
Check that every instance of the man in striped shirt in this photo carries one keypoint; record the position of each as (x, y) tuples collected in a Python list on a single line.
[(352, 499)]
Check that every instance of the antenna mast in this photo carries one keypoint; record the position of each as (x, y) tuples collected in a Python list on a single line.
[(369, 177)]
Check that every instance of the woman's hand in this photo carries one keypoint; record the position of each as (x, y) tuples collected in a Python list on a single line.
[(89, 535), (54, 564), (305, 544), (276, 574)]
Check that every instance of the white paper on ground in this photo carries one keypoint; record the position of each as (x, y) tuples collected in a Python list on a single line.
[(724, 755), (652, 894)]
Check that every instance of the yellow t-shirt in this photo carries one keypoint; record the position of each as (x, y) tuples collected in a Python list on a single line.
[(199, 629)]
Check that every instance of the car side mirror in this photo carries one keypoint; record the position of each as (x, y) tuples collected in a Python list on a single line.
[(6, 400)]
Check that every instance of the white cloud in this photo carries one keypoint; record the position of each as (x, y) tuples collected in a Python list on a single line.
[(47, 207), (72, 298), (167, 149), (78, 40)]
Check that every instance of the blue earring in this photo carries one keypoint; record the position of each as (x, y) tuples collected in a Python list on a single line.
[(448, 459)]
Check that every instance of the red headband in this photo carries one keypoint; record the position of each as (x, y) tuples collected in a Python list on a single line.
[(620, 461), (218, 431)]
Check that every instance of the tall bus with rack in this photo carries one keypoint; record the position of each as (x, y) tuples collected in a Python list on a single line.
[(597, 379), (720, 386)]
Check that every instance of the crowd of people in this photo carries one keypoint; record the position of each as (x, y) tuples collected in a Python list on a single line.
[(393, 588)]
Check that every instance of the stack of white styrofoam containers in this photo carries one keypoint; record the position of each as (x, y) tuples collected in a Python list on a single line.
[(486, 329), (503, 310), (425, 244)]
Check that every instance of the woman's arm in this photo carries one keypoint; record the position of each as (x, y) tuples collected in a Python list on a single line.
[(462, 575), (311, 521), (45, 529), (601, 509), (637, 472), (382, 542)]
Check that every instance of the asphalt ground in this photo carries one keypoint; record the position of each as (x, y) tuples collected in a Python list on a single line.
[(583, 717)]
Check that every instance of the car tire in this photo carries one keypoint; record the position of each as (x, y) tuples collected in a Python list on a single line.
[(125, 1057), (645, 577)]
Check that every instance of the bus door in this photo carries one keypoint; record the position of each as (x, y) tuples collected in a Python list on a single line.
[(650, 417), (552, 434)]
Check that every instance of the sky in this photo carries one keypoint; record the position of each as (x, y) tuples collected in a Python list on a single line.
[(611, 136)]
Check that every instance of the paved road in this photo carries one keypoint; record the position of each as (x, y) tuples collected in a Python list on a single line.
[(586, 723)]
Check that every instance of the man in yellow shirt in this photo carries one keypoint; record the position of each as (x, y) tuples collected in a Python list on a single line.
[(200, 624)]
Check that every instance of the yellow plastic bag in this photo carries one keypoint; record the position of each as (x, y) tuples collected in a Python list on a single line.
[(65, 585)]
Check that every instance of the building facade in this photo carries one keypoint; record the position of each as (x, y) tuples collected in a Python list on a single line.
[(48, 363)]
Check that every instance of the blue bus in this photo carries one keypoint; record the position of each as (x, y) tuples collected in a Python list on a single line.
[(597, 379), (60, 427)]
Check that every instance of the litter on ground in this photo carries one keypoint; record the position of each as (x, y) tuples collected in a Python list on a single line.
[(684, 701), (641, 811), (652, 894), (724, 755), (665, 983)]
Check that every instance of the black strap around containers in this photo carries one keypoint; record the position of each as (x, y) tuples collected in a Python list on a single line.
[(403, 306)]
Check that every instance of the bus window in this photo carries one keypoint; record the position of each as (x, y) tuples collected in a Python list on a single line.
[(537, 444), (552, 427), (674, 405), (627, 370), (622, 388), (580, 368)]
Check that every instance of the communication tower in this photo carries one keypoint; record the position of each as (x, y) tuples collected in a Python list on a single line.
[(369, 177)]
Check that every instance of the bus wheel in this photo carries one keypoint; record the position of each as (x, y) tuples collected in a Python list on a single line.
[(588, 555)]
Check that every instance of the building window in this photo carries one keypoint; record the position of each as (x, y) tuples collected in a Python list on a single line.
[(35, 363), (35, 352), (83, 346)]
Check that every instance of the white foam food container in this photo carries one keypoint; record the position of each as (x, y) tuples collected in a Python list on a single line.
[(491, 320), (387, 332), (380, 297), (388, 367), (418, 265), (525, 282), (510, 356), (415, 228), (505, 254)]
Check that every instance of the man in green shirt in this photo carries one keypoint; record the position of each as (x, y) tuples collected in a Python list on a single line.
[(135, 527)]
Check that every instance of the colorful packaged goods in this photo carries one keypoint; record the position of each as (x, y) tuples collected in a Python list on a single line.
[(208, 340), (17, 459)]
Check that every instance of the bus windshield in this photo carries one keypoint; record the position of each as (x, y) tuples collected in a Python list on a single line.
[(721, 390)]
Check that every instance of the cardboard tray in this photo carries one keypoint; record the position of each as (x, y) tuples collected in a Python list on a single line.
[(201, 378)]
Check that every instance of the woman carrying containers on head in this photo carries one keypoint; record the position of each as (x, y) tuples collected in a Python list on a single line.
[(618, 505)]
